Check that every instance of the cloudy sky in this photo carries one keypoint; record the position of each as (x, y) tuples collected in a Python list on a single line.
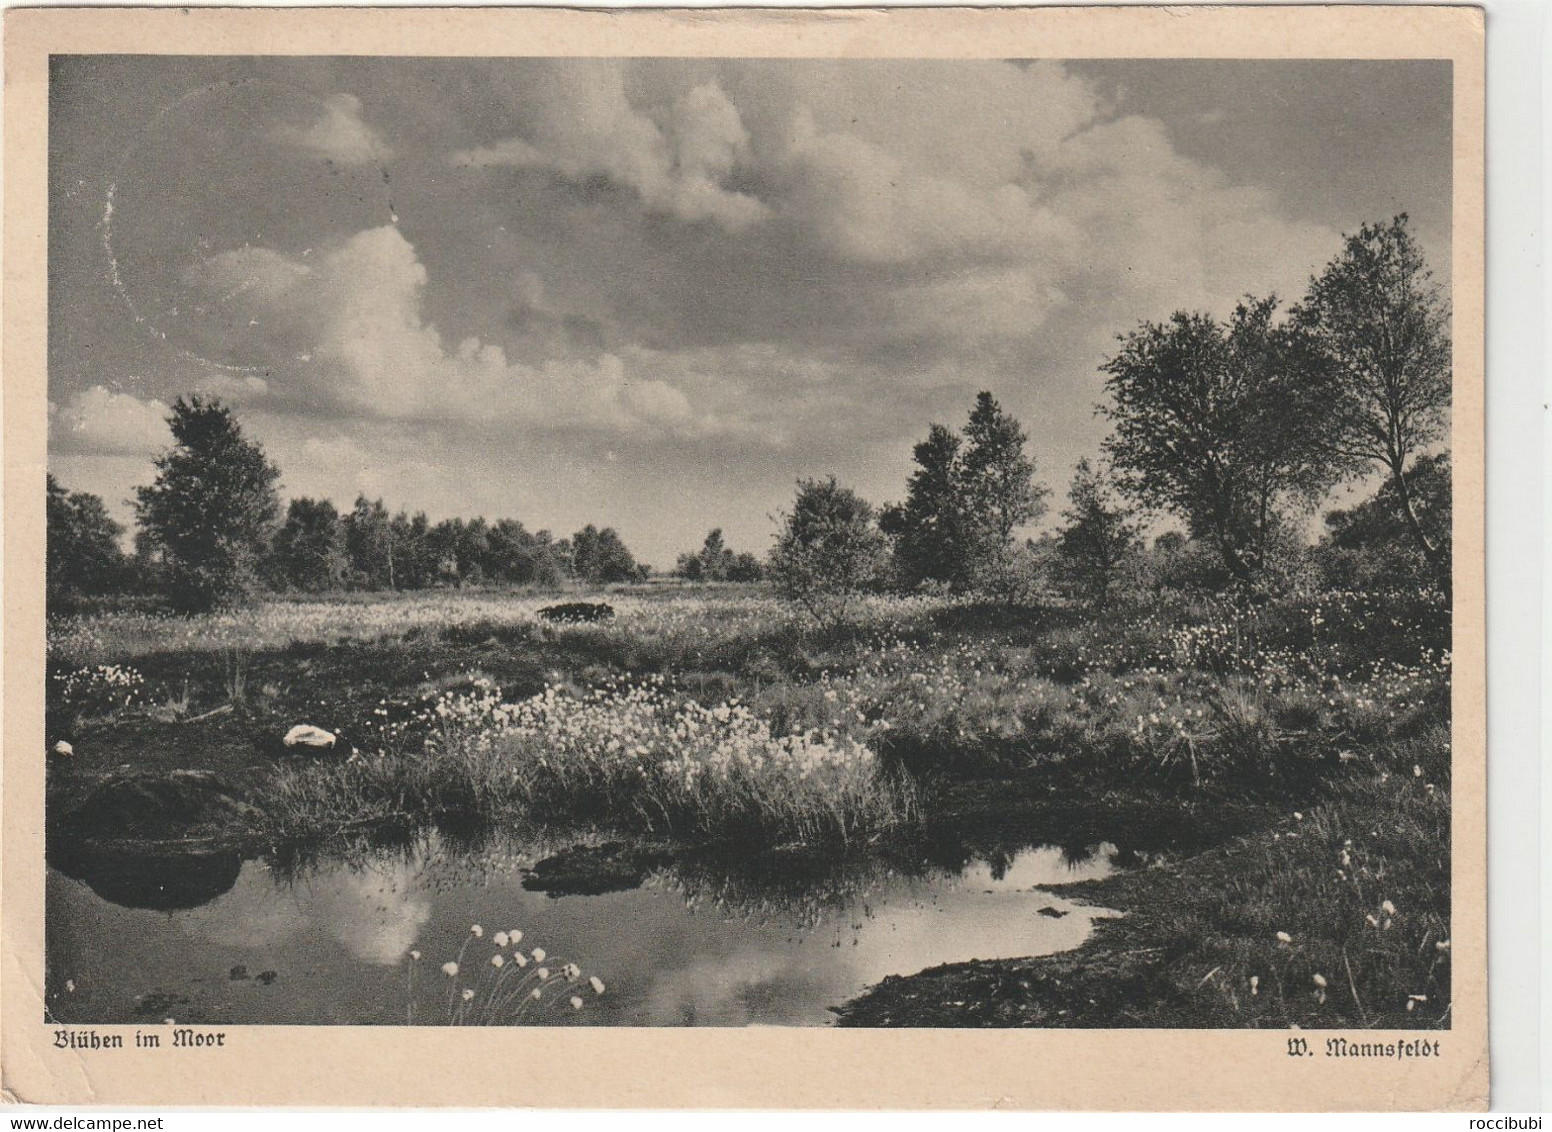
[(653, 293)]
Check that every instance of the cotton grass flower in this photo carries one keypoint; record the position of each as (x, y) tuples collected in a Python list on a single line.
[(450, 970), (597, 984), (415, 955), (1320, 981), (710, 759), (543, 972), (514, 937), (1255, 984), (468, 995), (539, 954), (498, 960), (499, 939), (1388, 908), (1284, 937), (576, 1002), (476, 931)]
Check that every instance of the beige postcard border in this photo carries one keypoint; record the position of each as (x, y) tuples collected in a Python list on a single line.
[(764, 1068)]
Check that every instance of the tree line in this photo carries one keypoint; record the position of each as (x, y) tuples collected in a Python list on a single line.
[(1235, 428), (316, 549), (210, 531)]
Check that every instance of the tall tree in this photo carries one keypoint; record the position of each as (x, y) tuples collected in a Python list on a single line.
[(1222, 424), (82, 552), (926, 528), (308, 552), (688, 566), (745, 567), (965, 499), (997, 480), (1099, 536), (519, 556), (1377, 522), (1382, 326), (414, 558), (369, 544), (474, 554), (212, 506), (715, 556), (600, 556)]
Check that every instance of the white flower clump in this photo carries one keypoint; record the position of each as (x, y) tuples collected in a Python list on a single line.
[(504, 989), (639, 729), (672, 758), (101, 688)]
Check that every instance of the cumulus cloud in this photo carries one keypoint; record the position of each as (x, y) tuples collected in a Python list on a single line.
[(988, 303), (922, 206), (1169, 231), (235, 387), (356, 314), (376, 913), (585, 126), (847, 228), (338, 134), (864, 202), (1014, 186), (101, 422)]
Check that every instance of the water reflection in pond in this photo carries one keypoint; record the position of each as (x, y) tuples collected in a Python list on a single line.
[(695, 943)]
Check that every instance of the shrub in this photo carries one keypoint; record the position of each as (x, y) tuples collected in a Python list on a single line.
[(829, 550), (1191, 566), (575, 612)]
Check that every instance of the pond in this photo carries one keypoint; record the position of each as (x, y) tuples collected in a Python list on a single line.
[(674, 941)]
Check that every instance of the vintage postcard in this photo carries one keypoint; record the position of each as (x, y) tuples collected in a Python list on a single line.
[(846, 559)]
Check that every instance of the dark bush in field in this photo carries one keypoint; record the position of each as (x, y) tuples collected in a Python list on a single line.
[(577, 612)]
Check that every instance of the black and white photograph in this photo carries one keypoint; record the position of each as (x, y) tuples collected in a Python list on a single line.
[(728, 542)]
